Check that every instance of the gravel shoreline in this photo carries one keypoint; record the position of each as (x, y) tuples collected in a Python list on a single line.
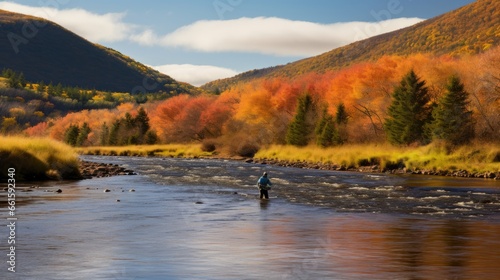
[(90, 170)]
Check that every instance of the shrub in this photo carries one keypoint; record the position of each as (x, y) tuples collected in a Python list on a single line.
[(247, 149), (208, 146)]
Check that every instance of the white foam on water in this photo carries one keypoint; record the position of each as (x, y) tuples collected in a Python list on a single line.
[(385, 188), (430, 198), (334, 185), (359, 188), (449, 196)]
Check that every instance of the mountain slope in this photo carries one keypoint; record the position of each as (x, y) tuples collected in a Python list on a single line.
[(468, 30), (45, 51)]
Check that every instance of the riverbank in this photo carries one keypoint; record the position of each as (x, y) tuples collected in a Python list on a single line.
[(47, 159), (37, 159), (475, 161)]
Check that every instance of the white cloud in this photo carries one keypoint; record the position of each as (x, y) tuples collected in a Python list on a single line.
[(108, 27), (195, 74), (266, 35), (275, 36)]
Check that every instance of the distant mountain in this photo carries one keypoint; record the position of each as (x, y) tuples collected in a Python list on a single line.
[(45, 51), (471, 29)]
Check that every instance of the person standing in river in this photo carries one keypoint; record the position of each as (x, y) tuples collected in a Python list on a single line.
[(264, 185)]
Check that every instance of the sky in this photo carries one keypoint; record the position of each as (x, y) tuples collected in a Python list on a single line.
[(197, 41)]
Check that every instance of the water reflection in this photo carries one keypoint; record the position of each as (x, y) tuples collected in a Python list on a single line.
[(161, 232)]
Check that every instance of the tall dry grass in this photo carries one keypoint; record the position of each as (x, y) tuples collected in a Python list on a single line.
[(436, 156), (37, 158), (167, 150)]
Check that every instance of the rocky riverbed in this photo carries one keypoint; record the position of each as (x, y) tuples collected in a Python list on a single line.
[(90, 170)]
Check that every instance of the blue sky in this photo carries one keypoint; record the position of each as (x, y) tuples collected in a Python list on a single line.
[(201, 40)]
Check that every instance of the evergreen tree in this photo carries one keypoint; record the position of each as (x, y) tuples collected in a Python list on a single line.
[(71, 135), (14, 80), (409, 111), (151, 137), (51, 90), (83, 134), (7, 73), (129, 121), (113, 134), (325, 131), (452, 120), (104, 139), (341, 119), (299, 129), (21, 80), (41, 87), (342, 116), (142, 121)]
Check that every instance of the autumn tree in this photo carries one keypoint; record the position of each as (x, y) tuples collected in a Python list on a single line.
[(452, 120), (409, 111)]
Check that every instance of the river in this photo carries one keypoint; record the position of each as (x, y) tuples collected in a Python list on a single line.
[(202, 219)]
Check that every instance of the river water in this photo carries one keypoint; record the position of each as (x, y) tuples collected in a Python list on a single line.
[(202, 219)]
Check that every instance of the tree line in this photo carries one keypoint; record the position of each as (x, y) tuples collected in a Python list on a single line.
[(412, 118), (127, 130)]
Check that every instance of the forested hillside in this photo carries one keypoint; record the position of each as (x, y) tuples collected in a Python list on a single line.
[(45, 51), (469, 30), (268, 111)]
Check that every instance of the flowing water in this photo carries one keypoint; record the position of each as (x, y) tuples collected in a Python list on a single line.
[(202, 219)]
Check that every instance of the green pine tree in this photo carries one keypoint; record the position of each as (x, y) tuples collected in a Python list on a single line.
[(452, 120), (341, 119), (151, 137), (325, 131), (409, 112), (142, 122), (83, 134), (104, 139), (71, 135), (113, 134), (299, 130), (41, 87)]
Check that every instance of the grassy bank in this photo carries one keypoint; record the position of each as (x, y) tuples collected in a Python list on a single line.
[(37, 159), (473, 158), (168, 150)]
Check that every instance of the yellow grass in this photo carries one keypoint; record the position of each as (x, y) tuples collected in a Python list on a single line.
[(37, 158), (436, 156), (167, 150)]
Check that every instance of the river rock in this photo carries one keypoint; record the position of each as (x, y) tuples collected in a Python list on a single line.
[(93, 169)]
